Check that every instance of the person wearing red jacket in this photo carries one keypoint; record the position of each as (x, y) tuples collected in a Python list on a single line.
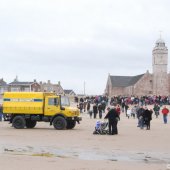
[(165, 112)]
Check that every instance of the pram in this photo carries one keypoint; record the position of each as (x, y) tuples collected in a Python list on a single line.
[(101, 128)]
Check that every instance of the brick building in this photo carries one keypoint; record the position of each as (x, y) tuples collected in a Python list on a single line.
[(157, 83), (49, 87)]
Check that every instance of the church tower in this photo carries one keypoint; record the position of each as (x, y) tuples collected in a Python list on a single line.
[(159, 65)]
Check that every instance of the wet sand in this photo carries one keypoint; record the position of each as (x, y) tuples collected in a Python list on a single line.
[(78, 149)]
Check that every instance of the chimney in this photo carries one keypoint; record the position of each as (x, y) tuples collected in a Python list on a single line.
[(48, 81)]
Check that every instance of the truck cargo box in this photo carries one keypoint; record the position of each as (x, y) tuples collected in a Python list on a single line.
[(23, 102)]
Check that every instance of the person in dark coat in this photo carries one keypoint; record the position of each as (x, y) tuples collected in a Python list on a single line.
[(95, 110), (80, 106), (156, 109), (140, 117), (103, 106), (147, 117), (88, 106), (1, 112), (126, 108), (122, 105), (100, 110), (113, 118)]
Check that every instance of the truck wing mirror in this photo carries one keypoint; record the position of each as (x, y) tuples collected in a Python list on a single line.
[(62, 108)]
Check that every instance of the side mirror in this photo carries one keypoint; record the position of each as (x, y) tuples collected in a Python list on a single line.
[(62, 108)]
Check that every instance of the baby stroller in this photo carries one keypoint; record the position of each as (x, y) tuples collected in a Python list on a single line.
[(101, 128)]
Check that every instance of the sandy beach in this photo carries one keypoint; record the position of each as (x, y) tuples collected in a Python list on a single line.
[(46, 148)]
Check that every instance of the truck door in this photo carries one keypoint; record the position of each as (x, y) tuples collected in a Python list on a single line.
[(52, 105)]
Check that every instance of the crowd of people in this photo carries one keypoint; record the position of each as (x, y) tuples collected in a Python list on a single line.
[(112, 108), (93, 105), (134, 107), (143, 100)]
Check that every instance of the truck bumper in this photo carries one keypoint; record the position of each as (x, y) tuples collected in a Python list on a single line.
[(77, 119)]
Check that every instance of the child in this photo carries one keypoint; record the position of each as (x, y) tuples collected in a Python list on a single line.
[(90, 113), (128, 113)]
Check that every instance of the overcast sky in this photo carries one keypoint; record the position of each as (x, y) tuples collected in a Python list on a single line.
[(77, 41)]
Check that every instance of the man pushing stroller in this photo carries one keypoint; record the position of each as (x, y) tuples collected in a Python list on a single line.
[(113, 118)]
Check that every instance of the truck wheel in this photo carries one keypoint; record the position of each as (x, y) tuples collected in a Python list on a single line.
[(30, 123), (71, 124), (59, 123), (18, 122)]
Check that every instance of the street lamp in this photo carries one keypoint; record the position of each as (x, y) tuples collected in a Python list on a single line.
[(84, 85)]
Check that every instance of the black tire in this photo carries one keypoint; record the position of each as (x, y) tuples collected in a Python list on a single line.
[(30, 123), (59, 123), (18, 122), (71, 124)]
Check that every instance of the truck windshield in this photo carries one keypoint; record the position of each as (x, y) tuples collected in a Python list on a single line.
[(65, 101)]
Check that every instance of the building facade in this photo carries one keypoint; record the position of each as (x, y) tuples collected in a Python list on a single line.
[(160, 68), (3, 86), (49, 87), (69, 92), (19, 86), (157, 83)]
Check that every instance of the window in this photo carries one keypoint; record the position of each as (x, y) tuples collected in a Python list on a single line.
[(150, 92), (53, 101), (15, 89), (65, 101)]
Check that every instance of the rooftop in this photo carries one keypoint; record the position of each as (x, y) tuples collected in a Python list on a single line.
[(124, 81)]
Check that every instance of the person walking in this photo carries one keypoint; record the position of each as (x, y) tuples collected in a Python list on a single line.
[(126, 108), (113, 118), (156, 109), (95, 110), (128, 113), (100, 110), (1, 112), (80, 106), (88, 105), (147, 118), (89, 110), (103, 105), (140, 117), (122, 105), (134, 111), (165, 112)]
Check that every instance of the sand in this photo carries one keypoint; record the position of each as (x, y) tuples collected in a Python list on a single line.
[(46, 148)]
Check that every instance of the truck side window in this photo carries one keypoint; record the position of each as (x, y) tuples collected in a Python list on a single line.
[(53, 101)]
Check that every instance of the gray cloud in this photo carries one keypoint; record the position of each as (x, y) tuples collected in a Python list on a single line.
[(76, 41)]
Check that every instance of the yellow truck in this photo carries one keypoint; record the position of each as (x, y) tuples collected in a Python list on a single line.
[(25, 109)]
